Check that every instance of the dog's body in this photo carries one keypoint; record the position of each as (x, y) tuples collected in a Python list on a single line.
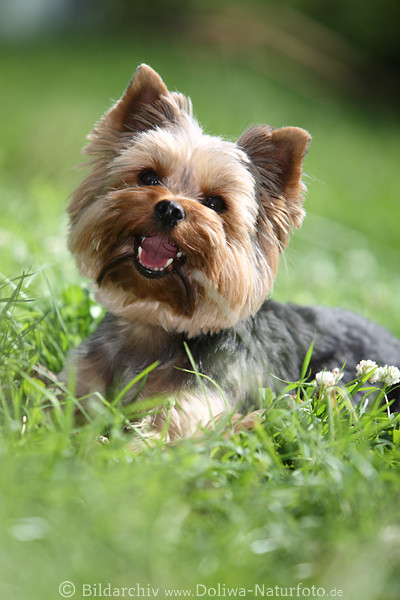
[(182, 234), (268, 349)]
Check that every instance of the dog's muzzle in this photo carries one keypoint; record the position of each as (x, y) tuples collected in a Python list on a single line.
[(169, 212)]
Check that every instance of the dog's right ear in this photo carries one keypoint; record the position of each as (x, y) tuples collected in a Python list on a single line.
[(146, 104), (140, 108), (145, 90)]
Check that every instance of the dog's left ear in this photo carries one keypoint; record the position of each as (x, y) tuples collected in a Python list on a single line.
[(277, 155)]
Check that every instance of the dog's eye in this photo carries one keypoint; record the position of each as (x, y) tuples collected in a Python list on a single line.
[(149, 177), (215, 203)]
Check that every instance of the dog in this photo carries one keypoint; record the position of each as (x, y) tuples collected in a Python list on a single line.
[(181, 233)]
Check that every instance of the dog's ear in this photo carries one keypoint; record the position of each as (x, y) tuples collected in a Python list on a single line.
[(144, 91), (145, 104), (277, 156)]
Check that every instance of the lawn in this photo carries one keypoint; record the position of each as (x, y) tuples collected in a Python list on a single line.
[(304, 506)]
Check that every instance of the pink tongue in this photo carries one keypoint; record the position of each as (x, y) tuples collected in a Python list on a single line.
[(156, 250)]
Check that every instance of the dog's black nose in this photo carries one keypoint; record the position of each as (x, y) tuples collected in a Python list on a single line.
[(169, 212)]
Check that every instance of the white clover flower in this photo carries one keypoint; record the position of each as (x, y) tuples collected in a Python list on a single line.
[(388, 375), (328, 378), (366, 366)]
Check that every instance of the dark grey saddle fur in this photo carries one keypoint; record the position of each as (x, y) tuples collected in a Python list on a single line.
[(265, 350)]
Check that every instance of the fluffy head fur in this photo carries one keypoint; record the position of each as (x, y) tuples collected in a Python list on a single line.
[(178, 228)]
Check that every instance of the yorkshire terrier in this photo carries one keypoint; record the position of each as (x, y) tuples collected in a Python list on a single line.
[(181, 233)]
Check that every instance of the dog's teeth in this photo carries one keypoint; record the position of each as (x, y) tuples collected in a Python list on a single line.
[(179, 254), (157, 269), (139, 253)]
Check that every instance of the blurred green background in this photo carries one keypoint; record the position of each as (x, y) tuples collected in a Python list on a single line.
[(331, 67)]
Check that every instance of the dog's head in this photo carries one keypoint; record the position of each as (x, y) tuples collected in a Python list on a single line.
[(177, 227)]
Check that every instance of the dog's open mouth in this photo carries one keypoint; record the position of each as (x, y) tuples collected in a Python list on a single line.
[(157, 255)]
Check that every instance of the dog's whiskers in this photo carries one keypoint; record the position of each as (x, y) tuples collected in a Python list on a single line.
[(107, 268)]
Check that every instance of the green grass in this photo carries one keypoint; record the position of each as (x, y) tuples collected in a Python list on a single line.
[(311, 497)]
